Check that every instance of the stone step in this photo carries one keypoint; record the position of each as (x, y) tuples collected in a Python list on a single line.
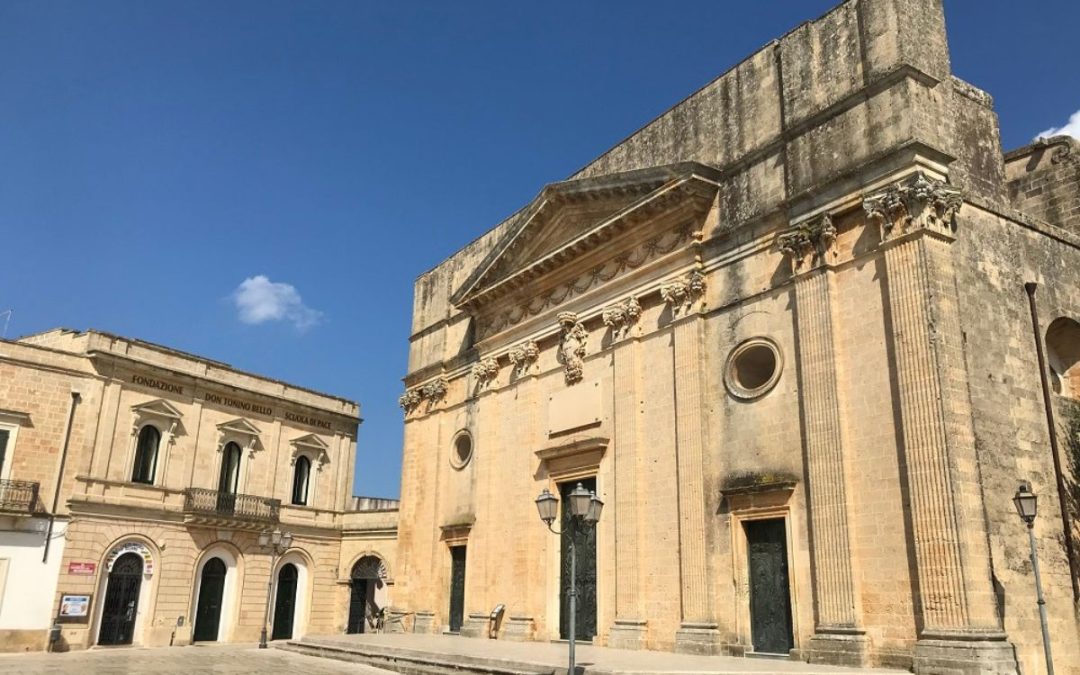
[(409, 662)]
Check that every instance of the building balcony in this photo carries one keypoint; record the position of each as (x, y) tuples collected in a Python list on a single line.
[(224, 509), (18, 497)]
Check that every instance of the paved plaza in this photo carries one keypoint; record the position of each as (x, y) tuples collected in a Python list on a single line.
[(225, 660), (540, 656)]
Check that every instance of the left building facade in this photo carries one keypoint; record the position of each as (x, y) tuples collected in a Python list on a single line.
[(137, 480)]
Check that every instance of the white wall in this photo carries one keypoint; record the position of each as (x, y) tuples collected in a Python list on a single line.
[(28, 589)]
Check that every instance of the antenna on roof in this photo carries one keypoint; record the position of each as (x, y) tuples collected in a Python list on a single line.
[(7, 317)]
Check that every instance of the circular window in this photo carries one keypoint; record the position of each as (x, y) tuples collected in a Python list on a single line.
[(462, 451), (753, 368)]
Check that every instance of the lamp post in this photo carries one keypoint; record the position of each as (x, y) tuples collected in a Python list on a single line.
[(1027, 507), (277, 542), (585, 510)]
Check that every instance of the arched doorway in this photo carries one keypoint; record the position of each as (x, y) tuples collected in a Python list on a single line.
[(121, 604), (285, 604), (228, 478), (367, 576), (211, 591)]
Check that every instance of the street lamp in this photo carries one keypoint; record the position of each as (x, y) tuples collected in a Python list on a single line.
[(1027, 507), (585, 510), (276, 542)]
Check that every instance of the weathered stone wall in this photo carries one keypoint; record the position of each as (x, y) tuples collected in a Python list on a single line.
[(1044, 181), (998, 256)]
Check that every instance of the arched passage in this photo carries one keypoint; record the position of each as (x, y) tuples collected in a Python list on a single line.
[(211, 595), (366, 580)]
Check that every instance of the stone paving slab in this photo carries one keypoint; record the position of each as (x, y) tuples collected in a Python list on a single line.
[(214, 659), (590, 660)]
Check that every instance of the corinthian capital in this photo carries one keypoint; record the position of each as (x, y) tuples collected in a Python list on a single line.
[(620, 317), (681, 293), (915, 203), (808, 240)]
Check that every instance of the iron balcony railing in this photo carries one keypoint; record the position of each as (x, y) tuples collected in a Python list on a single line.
[(201, 501), (18, 495)]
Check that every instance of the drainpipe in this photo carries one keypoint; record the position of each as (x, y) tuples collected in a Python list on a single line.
[(60, 473), (1066, 523)]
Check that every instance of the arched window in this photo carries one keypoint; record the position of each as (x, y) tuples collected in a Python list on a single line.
[(1063, 352), (301, 475), (229, 480), (146, 452)]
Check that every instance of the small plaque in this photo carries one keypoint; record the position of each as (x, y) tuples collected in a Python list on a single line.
[(82, 569), (576, 407)]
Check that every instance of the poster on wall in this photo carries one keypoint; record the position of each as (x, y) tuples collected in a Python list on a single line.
[(74, 608)]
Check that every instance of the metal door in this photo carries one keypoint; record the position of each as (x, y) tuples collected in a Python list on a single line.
[(358, 604), (285, 605), (121, 601), (770, 598), (457, 587), (584, 540), (211, 589)]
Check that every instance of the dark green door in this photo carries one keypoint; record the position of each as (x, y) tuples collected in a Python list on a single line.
[(211, 589), (770, 599), (585, 542), (285, 605), (457, 587)]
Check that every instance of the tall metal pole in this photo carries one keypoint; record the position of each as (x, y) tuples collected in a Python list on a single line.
[(1059, 479), (573, 596), (269, 593), (1041, 600)]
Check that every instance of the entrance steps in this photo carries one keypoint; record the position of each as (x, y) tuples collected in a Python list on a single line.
[(413, 662), (424, 654)]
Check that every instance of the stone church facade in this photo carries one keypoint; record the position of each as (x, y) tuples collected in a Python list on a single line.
[(783, 332)]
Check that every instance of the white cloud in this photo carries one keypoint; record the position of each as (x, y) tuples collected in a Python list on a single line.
[(259, 300), (1071, 128)]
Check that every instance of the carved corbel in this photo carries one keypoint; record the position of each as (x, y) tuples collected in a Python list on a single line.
[(682, 293), (523, 356), (434, 391), (572, 344), (621, 317), (409, 400), (807, 242), (915, 203), (485, 372)]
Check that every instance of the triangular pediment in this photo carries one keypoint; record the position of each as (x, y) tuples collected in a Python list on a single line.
[(311, 441), (574, 216), (239, 426), (158, 407)]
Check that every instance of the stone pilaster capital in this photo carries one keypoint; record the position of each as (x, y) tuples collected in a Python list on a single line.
[(807, 243), (484, 372), (523, 356), (916, 203), (621, 317), (681, 293)]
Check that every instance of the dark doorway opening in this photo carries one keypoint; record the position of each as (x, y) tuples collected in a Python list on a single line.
[(285, 605), (457, 588), (584, 540), (121, 601), (228, 478), (770, 597), (358, 606), (211, 590)]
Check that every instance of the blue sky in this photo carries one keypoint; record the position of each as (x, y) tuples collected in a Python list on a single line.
[(260, 182)]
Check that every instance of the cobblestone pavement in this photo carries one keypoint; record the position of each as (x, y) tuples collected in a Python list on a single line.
[(225, 659)]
